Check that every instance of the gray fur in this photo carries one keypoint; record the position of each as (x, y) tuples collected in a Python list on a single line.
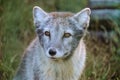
[(69, 60)]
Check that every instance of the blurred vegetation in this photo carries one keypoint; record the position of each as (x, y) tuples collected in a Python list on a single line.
[(17, 30)]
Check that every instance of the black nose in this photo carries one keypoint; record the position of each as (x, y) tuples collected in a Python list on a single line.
[(52, 52)]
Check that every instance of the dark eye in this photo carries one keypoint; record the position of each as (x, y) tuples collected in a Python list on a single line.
[(66, 35), (47, 33)]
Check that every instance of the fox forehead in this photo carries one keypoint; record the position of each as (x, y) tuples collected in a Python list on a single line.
[(58, 19), (58, 25), (61, 14)]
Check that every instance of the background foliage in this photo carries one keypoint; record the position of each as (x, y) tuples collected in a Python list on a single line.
[(17, 30)]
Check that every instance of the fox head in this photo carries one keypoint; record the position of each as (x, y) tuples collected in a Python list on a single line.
[(60, 32)]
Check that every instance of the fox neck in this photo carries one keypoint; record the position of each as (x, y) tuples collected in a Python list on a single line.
[(69, 69)]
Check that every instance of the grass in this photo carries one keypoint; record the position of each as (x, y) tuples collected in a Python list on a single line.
[(14, 36), (17, 31), (102, 62)]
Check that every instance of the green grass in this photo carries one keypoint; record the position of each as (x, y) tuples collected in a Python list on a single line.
[(102, 61), (17, 31)]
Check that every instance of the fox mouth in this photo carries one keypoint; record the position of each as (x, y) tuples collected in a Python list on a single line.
[(66, 54), (53, 58), (59, 58)]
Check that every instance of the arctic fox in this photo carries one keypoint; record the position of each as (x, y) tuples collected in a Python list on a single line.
[(58, 52)]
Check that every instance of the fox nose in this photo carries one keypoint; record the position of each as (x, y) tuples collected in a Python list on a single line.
[(52, 52)]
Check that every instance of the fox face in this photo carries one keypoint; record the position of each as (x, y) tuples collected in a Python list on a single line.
[(60, 32)]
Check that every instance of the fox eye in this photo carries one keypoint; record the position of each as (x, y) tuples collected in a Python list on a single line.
[(47, 33), (66, 35)]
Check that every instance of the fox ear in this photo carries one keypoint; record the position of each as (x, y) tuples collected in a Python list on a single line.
[(83, 17), (38, 14)]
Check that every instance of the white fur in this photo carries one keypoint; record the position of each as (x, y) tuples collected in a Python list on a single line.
[(66, 70)]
